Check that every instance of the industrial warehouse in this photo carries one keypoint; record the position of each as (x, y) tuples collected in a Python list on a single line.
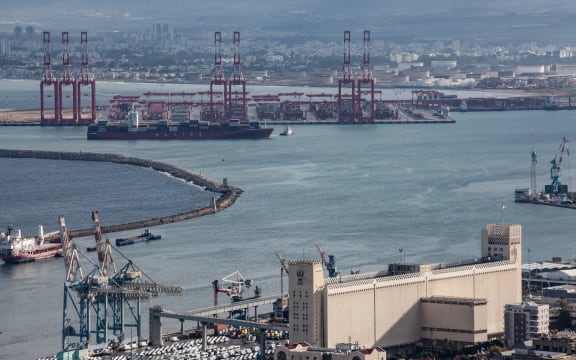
[(370, 316), (461, 301)]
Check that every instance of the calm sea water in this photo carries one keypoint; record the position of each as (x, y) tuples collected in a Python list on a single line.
[(360, 192)]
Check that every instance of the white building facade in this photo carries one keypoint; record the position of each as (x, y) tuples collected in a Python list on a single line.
[(461, 301), (525, 321)]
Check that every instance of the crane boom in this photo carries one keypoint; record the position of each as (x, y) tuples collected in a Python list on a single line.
[(283, 269), (323, 257), (328, 263), (556, 185), (98, 237), (236, 284), (71, 260), (282, 263), (105, 258)]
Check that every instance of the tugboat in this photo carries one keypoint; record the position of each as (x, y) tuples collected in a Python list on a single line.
[(145, 236), (16, 249), (287, 131)]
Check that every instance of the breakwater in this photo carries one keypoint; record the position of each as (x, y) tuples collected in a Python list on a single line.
[(227, 197)]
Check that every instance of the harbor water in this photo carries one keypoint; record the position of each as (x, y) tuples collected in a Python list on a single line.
[(368, 194)]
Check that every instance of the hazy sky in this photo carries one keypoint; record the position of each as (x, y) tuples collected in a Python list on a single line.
[(485, 18)]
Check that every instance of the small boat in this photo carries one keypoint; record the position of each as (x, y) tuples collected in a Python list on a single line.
[(287, 131), (14, 248), (145, 236)]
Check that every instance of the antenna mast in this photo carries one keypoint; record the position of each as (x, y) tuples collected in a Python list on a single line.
[(533, 189)]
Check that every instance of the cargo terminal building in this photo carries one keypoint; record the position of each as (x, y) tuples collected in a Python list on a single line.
[(462, 301)]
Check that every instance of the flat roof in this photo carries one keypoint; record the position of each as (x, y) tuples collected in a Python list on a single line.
[(454, 300), (545, 265)]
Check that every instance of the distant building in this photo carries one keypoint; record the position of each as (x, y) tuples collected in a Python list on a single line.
[(443, 64), (559, 275), (562, 341), (161, 32), (395, 308), (30, 35), (304, 351), (507, 74), (4, 46), (18, 34), (555, 293), (403, 57), (530, 354), (525, 321), (565, 69), (565, 53), (416, 74), (532, 69), (409, 65)]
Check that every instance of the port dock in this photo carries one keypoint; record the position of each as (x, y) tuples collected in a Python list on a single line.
[(207, 316), (405, 116), (554, 194)]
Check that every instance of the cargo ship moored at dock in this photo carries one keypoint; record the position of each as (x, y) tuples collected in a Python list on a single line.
[(16, 249), (164, 129)]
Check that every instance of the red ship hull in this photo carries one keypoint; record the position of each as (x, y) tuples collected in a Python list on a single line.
[(45, 252)]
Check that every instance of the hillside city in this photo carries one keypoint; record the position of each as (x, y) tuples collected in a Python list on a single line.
[(162, 53)]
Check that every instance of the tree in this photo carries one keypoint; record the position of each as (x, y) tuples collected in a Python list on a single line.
[(564, 320)]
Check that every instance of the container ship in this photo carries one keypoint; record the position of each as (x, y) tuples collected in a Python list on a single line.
[(169, 129), (16, 249), (145, 236)]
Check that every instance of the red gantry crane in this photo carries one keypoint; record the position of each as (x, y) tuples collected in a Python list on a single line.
[(346, 102), (67, 80), (218, 111), (86, 80), (48, 80), (365, 80), (237, 102)]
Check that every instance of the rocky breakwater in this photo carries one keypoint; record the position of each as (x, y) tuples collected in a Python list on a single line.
[(228, 194)]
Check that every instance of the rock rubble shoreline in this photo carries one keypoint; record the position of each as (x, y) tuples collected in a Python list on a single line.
[(228, 194)]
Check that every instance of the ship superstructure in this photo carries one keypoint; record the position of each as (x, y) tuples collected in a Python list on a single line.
[(14, 248)]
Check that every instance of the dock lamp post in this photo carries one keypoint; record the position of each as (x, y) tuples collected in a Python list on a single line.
[(529, 275)]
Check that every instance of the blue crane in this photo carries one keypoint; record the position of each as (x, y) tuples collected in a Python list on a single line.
[(556, 186)]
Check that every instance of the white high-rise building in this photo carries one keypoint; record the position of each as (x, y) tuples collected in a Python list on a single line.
[(4, 46), (526, 320)]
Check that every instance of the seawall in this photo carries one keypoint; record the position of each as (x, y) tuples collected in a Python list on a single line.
[(228, 194)]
